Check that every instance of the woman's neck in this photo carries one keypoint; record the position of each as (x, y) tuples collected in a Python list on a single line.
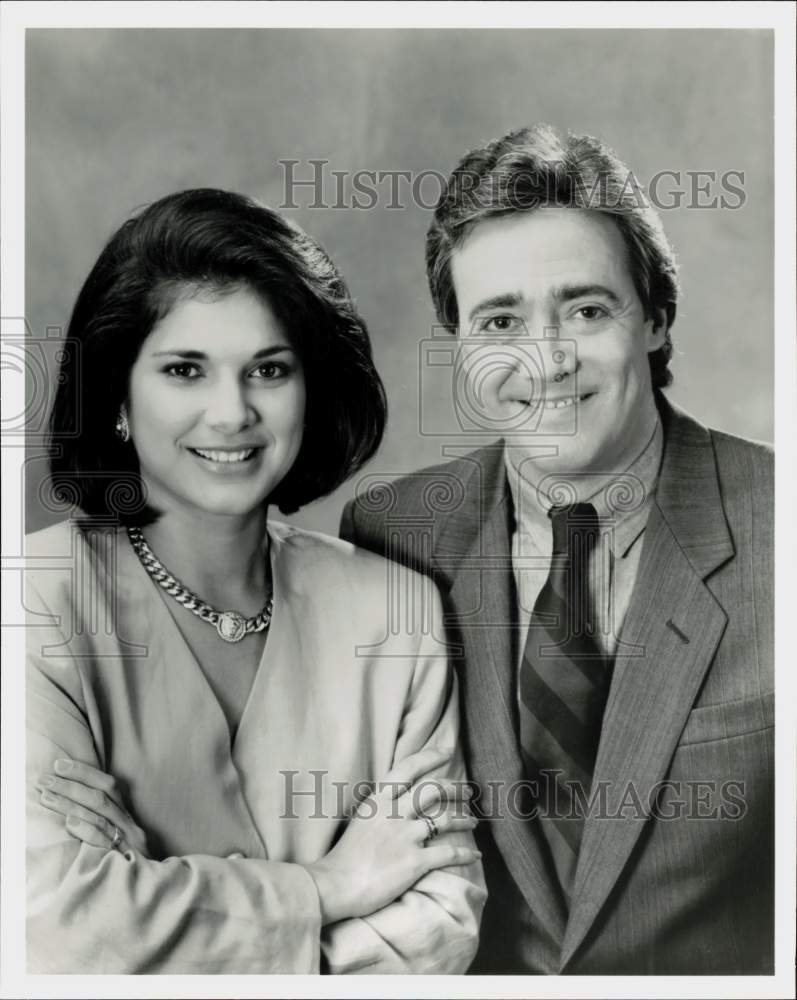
[(223, 560)]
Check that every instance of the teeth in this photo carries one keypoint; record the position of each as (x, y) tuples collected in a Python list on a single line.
[(560, 404), (225, 456)]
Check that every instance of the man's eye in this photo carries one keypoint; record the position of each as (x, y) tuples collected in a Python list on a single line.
[(183, 370), (591, 312), (501, 324)]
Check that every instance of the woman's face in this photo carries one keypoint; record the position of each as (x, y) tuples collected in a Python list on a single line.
[(216, 405)]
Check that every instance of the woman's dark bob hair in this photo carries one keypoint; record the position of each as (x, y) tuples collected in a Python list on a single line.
[(194, 242)]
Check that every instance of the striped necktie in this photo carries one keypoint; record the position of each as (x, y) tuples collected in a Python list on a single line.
[(564, 684)]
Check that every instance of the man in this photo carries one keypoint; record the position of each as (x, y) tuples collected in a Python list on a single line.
[(607, 574)]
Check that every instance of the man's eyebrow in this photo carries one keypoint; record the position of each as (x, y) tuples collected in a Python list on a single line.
[(566, 293), (509, 300), (189, 355)]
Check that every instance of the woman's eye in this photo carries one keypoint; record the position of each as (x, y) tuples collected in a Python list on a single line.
[(271, 370), (183, 370)]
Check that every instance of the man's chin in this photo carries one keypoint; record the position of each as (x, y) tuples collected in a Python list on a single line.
[(553, 457)]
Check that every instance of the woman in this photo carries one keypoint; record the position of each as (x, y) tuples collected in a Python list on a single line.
[(209, 691)]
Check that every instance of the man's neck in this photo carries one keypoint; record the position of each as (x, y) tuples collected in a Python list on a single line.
[(545, 488)]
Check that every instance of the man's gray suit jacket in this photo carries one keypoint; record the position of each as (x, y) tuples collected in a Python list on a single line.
[(675, 871)]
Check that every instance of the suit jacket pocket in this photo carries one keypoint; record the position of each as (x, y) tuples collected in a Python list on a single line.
[(729, 719)]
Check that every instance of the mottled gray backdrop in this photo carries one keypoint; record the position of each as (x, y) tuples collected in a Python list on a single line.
[(118, 118)]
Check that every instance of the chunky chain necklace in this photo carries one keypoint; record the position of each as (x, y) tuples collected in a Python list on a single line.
[(231, 625)]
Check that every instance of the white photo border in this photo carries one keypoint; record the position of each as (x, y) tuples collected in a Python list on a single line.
[(19, 16)]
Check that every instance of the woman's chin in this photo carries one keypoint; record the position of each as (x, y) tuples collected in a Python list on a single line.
[(207, 505)]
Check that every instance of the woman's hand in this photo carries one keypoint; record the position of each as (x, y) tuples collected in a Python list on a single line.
[(94, 810), (386, 846)]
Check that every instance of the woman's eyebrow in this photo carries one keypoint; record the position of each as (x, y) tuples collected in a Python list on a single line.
[(268, 351), (178, 352), (191, 355)]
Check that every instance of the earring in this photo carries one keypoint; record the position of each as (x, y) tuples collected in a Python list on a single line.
[(122, 427)]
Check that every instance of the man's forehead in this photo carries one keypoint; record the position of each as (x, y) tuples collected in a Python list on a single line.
[(543, 247)]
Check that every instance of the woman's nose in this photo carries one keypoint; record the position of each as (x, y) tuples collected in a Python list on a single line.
[(228, 408)]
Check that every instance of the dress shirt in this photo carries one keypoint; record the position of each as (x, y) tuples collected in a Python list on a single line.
[(622, 503)]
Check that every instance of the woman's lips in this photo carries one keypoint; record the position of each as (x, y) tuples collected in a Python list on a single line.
[(224, 455), (228, 461)]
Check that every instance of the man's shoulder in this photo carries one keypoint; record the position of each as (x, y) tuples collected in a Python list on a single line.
[(742, 465), (745, 472), (743, 456), (434, 487)]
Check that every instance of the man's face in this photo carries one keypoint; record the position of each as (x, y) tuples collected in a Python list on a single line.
[(552, 328)]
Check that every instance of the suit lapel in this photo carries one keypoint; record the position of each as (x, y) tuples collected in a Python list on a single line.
[(474, 554), (671, 632)]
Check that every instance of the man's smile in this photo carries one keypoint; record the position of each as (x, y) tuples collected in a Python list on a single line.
[(559, 403)]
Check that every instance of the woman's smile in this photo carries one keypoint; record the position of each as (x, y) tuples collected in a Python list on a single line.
[(229, 462), (217, 397)]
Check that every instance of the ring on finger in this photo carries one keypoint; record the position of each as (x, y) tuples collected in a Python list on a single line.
[(431, 826), (117, 838)]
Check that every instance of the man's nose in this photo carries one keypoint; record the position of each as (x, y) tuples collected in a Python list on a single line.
[(558, 354), (561, 363), (545, 356)]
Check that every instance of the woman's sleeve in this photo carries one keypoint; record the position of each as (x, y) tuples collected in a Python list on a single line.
[(98, 911), (433, 927)]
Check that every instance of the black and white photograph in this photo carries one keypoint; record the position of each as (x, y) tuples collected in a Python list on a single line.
[(391, 402)]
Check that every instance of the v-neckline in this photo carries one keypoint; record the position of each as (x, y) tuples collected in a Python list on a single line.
[(232, 738)]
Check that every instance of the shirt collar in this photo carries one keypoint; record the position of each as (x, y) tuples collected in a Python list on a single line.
[(624, 498)]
